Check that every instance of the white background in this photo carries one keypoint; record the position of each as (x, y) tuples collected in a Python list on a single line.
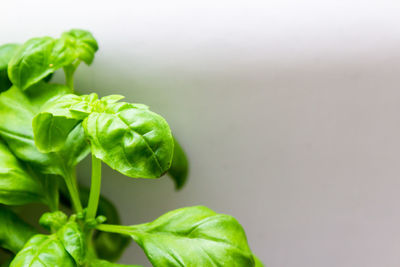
[(289, 111)]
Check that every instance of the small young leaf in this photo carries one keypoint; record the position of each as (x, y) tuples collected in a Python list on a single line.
[(17, 185), (6, 53), (108, 246), (82, 44), (43, 251), (49, 138), (73, 240), (53, 220), (131, 139), (193, 236), (76, 148), (13, 231), (56, 120), (180, 167), (36, 59)]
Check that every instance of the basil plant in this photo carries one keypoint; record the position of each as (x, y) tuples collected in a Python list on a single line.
[(46, 129)]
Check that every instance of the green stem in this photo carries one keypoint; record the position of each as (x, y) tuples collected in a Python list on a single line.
[(69, 74), (94, 188), (70, 181), (53, 206), (113, 228), (55, 199), (69, 77)]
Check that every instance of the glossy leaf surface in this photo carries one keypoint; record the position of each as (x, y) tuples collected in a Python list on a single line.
[(6, 53), (17, 185), (131, 139), (82, 44), (56, 120), (193, 236), (17, 111), (14, 232), (43, 251), (36, 59), (18, 108), (179, 169), (73, 240)]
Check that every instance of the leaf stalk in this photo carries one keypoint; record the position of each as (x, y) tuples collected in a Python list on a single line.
[(95, 188)]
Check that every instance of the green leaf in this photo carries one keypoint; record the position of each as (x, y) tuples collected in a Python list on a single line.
[(53, 220), (16, 114), (17, 185), (36, 59), (257, 261), (193, 236), (180, 166), (75, 149), (131, 139), (73, 240), (43, 251), (56, 120), (103, 263), (14, 232), (82, 43), (6, 53), (17, 111), (68, 232)]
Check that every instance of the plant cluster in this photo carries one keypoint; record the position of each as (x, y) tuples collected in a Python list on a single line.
[(46, 129)]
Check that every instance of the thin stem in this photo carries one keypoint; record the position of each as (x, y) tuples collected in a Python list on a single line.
[(54, 200), (53, 206), (69, 74), (94, 188), (112, 228), (70, 181), (69, 77)]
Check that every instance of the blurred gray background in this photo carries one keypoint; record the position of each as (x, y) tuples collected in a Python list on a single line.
[(288, 110)]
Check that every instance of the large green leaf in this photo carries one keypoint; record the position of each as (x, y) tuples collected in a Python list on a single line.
[(179, 167), (17, 185), (17, 111), (43, 251), (16, 114), (131, 139), (128, 137), (82, 44), (193, 236), (36, 59), (13, 231), (6, 53)]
